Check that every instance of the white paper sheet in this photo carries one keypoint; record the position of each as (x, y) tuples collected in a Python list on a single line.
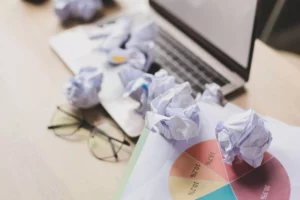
[(152, 179)]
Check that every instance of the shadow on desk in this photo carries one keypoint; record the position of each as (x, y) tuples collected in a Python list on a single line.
[(235, 94)]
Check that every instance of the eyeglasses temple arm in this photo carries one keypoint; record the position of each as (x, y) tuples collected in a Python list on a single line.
[(113, 148), (122, 142), (62, 125), (69, 114)]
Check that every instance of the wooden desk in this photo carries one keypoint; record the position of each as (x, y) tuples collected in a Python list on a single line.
[(37, 165)]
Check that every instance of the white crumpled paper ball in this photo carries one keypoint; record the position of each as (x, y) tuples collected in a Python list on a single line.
[(144, 33), (128, 74), (143, 39), (175, 114), (82, 9), (147, 87), (119, 34), (213, 94), (244, 136), (82, 90)]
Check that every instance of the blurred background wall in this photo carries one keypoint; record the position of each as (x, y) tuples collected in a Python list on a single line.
[(280, 24)]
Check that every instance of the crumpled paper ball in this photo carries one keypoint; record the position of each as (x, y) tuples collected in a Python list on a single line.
[(161, 73), (144, 33), (148, 87), (139, 49), (132, 56), (82, 9), (128, 74), (143, 39), (82, 90), (118, 34), (114, 34), (244, 136), (175, 114), (213, 93)]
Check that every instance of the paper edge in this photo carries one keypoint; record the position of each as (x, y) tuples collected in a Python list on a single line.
[(131, 164)]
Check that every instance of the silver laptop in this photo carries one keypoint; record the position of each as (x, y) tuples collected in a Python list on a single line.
[(199, 41)]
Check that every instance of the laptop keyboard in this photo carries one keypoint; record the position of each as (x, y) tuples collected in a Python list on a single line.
[(184, 65)]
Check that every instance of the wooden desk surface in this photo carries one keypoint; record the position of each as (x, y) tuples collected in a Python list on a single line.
[(37, 165)]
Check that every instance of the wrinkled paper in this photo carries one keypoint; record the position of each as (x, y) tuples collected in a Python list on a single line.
[(118, 34), (161, 73), (213, 94), (128, 74), (143, 39), (244, 136), (144, 33), (82, 90), (147, 88), (132, 56), (175, 114), (136, 88), (82, 9)]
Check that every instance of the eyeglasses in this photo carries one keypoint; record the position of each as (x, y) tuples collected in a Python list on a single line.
[(105, 141)]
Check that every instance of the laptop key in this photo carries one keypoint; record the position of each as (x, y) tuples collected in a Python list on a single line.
[(184, 65)]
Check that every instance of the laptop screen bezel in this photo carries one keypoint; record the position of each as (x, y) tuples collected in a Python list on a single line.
[(211, 48)]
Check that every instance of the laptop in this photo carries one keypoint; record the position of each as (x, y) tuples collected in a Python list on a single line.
[(199, 41)]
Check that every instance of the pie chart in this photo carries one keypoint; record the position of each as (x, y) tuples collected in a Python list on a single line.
[(200, 174)]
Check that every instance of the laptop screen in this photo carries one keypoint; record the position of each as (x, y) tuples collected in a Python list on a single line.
[(226, 24)]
